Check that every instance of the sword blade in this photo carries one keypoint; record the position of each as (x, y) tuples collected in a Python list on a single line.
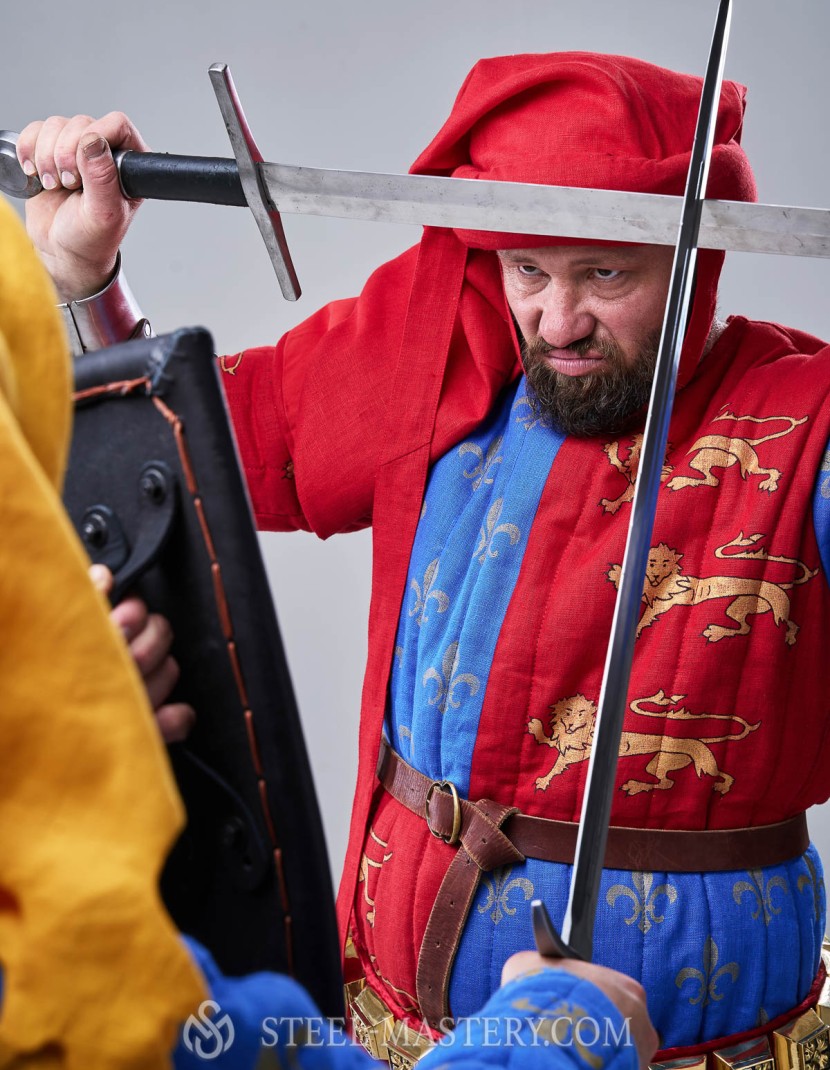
[(521, 208), (578, 926), (422, 200)]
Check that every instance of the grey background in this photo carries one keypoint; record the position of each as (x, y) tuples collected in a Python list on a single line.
[(366, 85)]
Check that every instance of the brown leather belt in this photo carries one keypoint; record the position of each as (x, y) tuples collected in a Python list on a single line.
[(489, 834)]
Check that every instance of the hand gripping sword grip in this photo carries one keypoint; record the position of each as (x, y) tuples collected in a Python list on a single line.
[(158, 176), (207, 180)]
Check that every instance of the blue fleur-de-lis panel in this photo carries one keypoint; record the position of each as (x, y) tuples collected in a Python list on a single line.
[(479, 506), (720, 945)]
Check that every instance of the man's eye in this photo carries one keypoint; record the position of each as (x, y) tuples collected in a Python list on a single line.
[(606, 274), (528, 270)]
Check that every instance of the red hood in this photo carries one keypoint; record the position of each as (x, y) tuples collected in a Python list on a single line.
[(595, 121)]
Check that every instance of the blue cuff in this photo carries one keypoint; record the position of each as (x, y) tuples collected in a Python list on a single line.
[(547, 1018), (245, 1015)]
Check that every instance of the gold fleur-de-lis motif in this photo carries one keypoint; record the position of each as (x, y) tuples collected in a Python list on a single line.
[(399, 655), (406, 733), (423, 595), (498, 890), (449, 679), (491, 529), (709, 976), (644, 899), (762, 891), (813, 881), (530, 418), (481, 473)]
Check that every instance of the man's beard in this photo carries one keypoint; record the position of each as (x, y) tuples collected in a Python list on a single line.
[(593, 403)]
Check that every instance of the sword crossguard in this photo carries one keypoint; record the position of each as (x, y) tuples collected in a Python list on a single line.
[(248, 158), (548, 941)]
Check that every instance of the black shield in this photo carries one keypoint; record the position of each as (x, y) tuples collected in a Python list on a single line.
[(155, 491)]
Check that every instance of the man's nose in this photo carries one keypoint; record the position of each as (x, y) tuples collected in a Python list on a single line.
[(565, 319)]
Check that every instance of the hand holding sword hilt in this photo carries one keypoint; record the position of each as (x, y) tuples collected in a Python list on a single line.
[(210, 180), (160, 176)]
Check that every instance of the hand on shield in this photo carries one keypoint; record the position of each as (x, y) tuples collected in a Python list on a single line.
[(78, 224), (149, 639)]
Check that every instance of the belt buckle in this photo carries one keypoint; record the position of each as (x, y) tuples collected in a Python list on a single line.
[(448, 787)]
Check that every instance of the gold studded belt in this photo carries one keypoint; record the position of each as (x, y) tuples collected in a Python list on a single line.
[(489, 834)]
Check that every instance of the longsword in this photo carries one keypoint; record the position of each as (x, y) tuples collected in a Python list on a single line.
[(578, 926), (270, 189)]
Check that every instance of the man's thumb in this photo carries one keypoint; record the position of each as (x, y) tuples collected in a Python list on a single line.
[(99, 174)]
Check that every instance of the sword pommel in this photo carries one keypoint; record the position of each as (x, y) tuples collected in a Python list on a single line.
[(13, 181)]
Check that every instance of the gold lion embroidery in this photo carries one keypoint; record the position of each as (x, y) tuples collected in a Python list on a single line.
[(367, 863), (665, 587), (722, 451), (628, 467), (572, 723)]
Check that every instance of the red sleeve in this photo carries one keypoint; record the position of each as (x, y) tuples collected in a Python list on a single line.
[(315, 416), (256, 384), (310, 413)]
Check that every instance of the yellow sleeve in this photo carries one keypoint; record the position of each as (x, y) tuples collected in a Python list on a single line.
[(93, 969)]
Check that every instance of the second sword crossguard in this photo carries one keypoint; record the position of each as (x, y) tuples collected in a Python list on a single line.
[(548, 941)]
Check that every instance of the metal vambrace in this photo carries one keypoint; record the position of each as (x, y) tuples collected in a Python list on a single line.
[(112, 315)]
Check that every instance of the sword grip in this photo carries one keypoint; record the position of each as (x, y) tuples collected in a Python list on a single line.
[(164, 177)]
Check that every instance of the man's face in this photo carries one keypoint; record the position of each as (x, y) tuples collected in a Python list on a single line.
[(590, 318)]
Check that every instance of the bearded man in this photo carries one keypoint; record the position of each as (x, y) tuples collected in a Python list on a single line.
[(497, 550)]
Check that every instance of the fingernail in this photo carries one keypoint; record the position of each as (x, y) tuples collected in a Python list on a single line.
[(28, 167), (47, 181), (96, 148), (67, 178)]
